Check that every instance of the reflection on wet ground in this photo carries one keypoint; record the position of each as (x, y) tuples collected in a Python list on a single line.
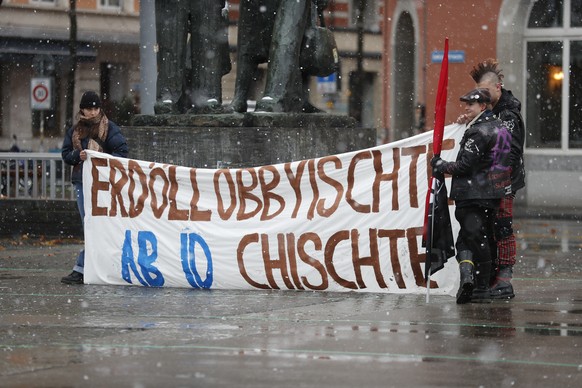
[(57, 335)]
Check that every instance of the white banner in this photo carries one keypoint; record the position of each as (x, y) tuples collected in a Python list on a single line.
[(346, 222)]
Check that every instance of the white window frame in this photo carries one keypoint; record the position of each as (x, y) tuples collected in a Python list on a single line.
[(566, 35)]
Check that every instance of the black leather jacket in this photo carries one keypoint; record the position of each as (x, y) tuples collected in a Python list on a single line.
[(508, 110), (481, 171)]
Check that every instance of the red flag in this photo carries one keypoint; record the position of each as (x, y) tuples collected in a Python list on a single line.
[(441, 102), (438, 235), (439, 123)]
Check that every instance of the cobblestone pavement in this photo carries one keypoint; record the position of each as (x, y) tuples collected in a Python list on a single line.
[(57, 335)]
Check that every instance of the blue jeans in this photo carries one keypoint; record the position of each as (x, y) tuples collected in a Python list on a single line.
[(80, 204)]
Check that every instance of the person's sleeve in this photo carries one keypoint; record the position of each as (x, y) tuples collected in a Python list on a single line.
[(469, 157), (69, 154)]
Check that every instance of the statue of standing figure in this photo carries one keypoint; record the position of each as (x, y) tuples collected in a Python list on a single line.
[(273, 31), (193, 55)]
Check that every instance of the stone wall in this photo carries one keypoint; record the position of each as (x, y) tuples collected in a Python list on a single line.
[(243, 140)]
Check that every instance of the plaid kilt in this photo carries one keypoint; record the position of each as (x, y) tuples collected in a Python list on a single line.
[(506, 249)]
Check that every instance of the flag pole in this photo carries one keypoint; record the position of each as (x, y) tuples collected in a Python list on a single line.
[(438, 133), (431, 229)]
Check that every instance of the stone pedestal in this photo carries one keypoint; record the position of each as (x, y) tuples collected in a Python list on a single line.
[(242, 140)]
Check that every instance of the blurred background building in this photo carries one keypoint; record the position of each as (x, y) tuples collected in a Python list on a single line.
[(390, 53), (34, 43)]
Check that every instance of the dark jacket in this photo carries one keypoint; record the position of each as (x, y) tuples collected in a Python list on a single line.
[(114, 144), (508, 110), (481, 171)]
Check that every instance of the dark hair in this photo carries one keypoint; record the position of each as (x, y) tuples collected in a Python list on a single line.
[(487, 66)]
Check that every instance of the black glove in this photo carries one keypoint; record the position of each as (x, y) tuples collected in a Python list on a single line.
[(438, 165)]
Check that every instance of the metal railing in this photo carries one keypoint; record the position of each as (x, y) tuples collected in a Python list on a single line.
[(34, 175)]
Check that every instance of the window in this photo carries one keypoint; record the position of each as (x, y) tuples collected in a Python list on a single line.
[(576, 14), (44, 2), (370, 16), (546, 14), (544, 93), (110, 3), (575, 95), (554, 75)]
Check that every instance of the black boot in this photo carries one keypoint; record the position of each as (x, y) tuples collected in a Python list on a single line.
[(73, 278), (502, 288), (467, 272), (481, 293)]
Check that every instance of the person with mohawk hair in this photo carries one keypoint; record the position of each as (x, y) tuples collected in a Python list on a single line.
[(507, 108), (481, 178)]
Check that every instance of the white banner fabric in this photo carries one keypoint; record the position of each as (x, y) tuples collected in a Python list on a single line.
[(346, 222)]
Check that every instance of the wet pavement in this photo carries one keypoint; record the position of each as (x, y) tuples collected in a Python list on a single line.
[(56, 335)]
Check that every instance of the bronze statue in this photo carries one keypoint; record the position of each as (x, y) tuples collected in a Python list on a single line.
[(190, 72), (273, 30)]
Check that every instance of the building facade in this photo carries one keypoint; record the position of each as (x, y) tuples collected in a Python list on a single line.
[(537, 42), (34, 38), (539, 46)]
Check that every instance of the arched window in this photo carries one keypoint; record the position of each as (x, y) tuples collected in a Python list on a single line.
[(554, 74), (404, 78), (546, 14)]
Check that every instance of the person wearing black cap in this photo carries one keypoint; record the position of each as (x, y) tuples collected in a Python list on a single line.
[(481, 177), (93, 131)]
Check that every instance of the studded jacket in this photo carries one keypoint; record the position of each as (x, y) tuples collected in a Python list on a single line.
[(481, 170)]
